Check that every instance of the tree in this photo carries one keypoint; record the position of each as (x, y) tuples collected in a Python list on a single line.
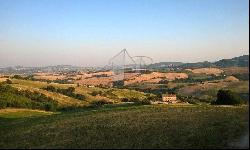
[(71, 89), (50, 88), (8, 81), (227, 97)]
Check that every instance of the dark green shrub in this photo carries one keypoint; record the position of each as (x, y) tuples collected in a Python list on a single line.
[(99, 103), (145, 102), (50, 106), (17, 77), (50, 88), (8, 81), (125, 100), (227, 97), (3, 104), (68, 92), (94, 93)]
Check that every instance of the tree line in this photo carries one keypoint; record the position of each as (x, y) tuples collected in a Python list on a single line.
[(68, 92), (11, 97)]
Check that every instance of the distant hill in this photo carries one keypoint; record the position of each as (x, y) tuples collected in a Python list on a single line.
[(165, 64), (197, 65), (241, 61)]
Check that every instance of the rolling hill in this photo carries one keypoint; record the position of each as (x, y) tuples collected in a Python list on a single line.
[(241, 61)]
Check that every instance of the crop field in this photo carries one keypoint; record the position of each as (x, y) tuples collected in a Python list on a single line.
[(155, 126), (214, 71), (235, 70), (2, 79), (155, 77)]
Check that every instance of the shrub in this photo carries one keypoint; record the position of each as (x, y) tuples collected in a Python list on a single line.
[(17, 77), (124, 100), (50, 106), (50, 88), (145, 102), (94, 93), (68, 92), (227, 97), (71, 89), (98, 103), (151, 97), (8, 81), (80, 96), (3, 104)]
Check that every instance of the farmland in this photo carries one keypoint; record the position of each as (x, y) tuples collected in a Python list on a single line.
[(157, 126), (109, 117), (109, 95)]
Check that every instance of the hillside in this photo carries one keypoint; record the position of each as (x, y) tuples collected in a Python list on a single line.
[(183, 126), (18, 94), (241, 61)]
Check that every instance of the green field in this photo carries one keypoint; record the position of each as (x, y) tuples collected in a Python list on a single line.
[(152, 126)]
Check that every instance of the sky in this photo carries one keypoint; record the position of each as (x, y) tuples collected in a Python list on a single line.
[(90, 32)]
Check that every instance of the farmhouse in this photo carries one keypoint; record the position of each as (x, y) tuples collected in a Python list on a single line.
[(170, 98)]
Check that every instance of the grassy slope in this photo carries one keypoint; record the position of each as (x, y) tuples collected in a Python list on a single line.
[(211, 89), (128, 127), (68, 101), (35, 86), (22, 113)]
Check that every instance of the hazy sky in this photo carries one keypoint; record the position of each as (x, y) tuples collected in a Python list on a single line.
[(89, 32)]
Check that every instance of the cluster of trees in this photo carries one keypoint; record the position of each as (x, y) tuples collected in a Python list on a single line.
[(98, 103), (118, 84), (157, 91), (11, 97), (94, 93), (191, 79), (227, 97), (242, 76), (189, 99), (146, 101), (109, 94), (68, 92)]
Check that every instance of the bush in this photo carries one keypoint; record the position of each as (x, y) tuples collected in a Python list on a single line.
[(50, 106), (17, 77), (98, 103), (227, 97), (151, 97), (118, 84), (94, 93), (124, 100), (145, 102), (8, 81), (68, 92), (50, 88), (3, 104)]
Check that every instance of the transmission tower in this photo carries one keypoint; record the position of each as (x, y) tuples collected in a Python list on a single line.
[(142, 63), (120, 63)]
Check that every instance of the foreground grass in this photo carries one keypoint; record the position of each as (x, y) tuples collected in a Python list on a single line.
[(22, 113), (155, 126)]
